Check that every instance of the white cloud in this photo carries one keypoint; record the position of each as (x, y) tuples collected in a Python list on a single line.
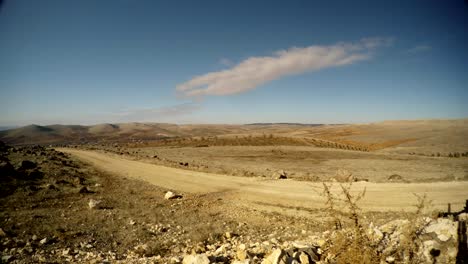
[(255, 71), (419, 48)]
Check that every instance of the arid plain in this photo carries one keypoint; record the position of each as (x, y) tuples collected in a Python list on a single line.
[(254, 179)]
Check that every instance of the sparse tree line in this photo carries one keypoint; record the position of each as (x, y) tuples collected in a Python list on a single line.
[(254, 140), (446, 155)]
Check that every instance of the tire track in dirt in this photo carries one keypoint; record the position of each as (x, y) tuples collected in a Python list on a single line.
[(283, 193)]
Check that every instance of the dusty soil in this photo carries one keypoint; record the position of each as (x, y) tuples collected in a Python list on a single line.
[(287, 196), (301, 162), (52, 204), (45, 214)]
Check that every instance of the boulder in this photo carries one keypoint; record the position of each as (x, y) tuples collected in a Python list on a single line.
[(170, 195), (439, 239), (27, 164), (441, 243)]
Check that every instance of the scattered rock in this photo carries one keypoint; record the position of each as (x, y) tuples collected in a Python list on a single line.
[(241, 254), (94, 204), (395, 177), (196, 259), (175, 260), (304, 258), (241, 262), (281, 175), (141, 249), (43, 241), (276, 257), (2, 233), (50, 187), (85, 189), (6, 258), (463, 217), (170, 195)]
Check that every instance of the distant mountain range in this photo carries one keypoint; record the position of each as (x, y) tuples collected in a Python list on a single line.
[(288, 124), (451, 134), (54, 134)]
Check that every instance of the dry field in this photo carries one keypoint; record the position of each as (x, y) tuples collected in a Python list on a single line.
[(235, 204), (282, 194), (308, 163)]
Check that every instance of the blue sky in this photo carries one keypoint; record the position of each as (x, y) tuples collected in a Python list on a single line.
[(87, 62)]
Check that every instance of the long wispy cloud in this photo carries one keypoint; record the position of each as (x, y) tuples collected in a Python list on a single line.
[(255, 71)]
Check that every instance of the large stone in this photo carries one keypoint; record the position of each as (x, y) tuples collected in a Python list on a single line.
[(444, 228), (439, 241), (27, 164), (443, 241), (170, 195), (463, 217), (196, 259)]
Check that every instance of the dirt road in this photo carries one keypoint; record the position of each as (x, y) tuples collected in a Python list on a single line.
[(286, 196)]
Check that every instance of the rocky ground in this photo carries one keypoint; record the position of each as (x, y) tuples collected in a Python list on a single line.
[(55, 209)]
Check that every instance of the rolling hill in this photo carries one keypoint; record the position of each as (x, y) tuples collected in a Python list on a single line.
[(393, 136)]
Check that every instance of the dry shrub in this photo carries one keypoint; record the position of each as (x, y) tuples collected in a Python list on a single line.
[(205, 232), (352, 239), (411, 242)]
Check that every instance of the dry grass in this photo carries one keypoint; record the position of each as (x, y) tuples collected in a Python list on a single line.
[(352, 239)]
